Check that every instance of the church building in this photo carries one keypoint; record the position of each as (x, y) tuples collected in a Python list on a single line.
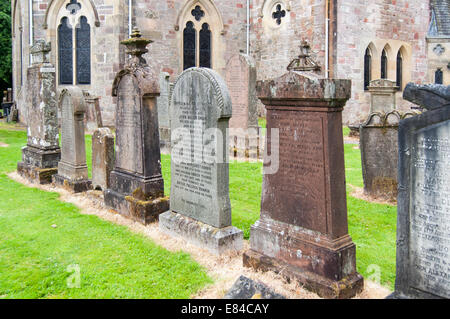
[(360, 40)]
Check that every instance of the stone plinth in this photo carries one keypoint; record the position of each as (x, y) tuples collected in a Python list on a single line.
[(303, 229), (200, 209), (423, 225), (102, 158), (382, 95), (72, 169), (137, 186), (379, 153), (243, 128), (41, 155)]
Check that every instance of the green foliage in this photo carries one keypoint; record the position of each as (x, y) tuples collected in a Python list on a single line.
[(5, 44)]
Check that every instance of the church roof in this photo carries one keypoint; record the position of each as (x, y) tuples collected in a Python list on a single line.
[(440, 18)]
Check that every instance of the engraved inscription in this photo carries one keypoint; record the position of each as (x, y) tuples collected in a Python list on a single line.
[(299, 184), (128, 127), (430, 210)]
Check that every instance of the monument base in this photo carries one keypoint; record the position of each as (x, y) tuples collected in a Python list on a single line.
[(144, 212), (41, 158), (322, 265), (35, 174), (76, 186), (216, 240)]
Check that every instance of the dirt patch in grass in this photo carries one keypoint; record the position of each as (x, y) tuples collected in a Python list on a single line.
[(359, 193), (224, 270), (3, 145)]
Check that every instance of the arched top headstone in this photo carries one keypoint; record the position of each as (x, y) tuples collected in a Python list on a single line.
[(72, 98), (207, 84)]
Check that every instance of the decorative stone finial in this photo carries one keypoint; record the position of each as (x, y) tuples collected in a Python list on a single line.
[(40, 51), (136, 47), (304, 61)]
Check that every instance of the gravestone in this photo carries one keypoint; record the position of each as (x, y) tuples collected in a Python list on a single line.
[(303, 231), (245, 288), (137, 186), (382, 95), (72, 169), (102, 158), (163, 112), (200, 209), (241, 82), (379, 153), (93, 119), (423, 225), (41, 155)]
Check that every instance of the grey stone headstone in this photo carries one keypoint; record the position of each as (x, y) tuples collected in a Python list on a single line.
[(379, 153), (245, 288), (163, 100), (72, 168), (199, 189), (423, 227), (102, 158), (200, 209)]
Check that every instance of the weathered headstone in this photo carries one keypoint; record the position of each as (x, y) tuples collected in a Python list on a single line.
[(93, 119), (303, 231), (200, 209), (137, 186), (382, 95), (245, 288), (72, 169), (163, 112), (423, 225), (41, 155), (244, 130), (379, 153), (102, 158)]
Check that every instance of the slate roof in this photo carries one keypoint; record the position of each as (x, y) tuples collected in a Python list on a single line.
[(440, 18)]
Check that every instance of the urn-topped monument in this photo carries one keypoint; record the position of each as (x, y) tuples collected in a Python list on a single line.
[(137, 186)]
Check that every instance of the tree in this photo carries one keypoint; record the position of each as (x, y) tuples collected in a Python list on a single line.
[(5, 45)]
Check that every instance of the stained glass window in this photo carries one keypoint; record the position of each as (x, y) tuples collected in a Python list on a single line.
[(205, 46), (438, 77), (83, 45), (65, 52), (399, 70), (189, 46), (383, 65), (367, 69)]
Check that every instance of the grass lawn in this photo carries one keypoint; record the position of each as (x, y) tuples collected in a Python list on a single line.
[(37, 260), (372, 226)]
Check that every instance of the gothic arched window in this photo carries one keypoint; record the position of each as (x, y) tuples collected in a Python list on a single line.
[(399, 70), (367, 69), (384, 64), (189, 46), (205, 46), (65, 52), (197, 39), (438, 77), (83, 47)]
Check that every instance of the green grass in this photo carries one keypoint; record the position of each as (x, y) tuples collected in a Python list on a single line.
[(36, 259), (372, 226)]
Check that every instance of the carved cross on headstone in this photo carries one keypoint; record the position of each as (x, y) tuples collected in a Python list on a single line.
[(278, 14), (73, 7), (198, 13)]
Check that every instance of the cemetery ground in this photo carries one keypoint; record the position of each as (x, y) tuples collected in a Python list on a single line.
[(44, 238)]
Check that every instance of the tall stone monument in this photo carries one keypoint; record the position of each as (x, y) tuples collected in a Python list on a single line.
[(303, 231), (102, 158), (423, 226), (379, 153), (72, 169), (41, 155), (200, 209), (137, 186), (244, 130), (163, 111), (382, 95)]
